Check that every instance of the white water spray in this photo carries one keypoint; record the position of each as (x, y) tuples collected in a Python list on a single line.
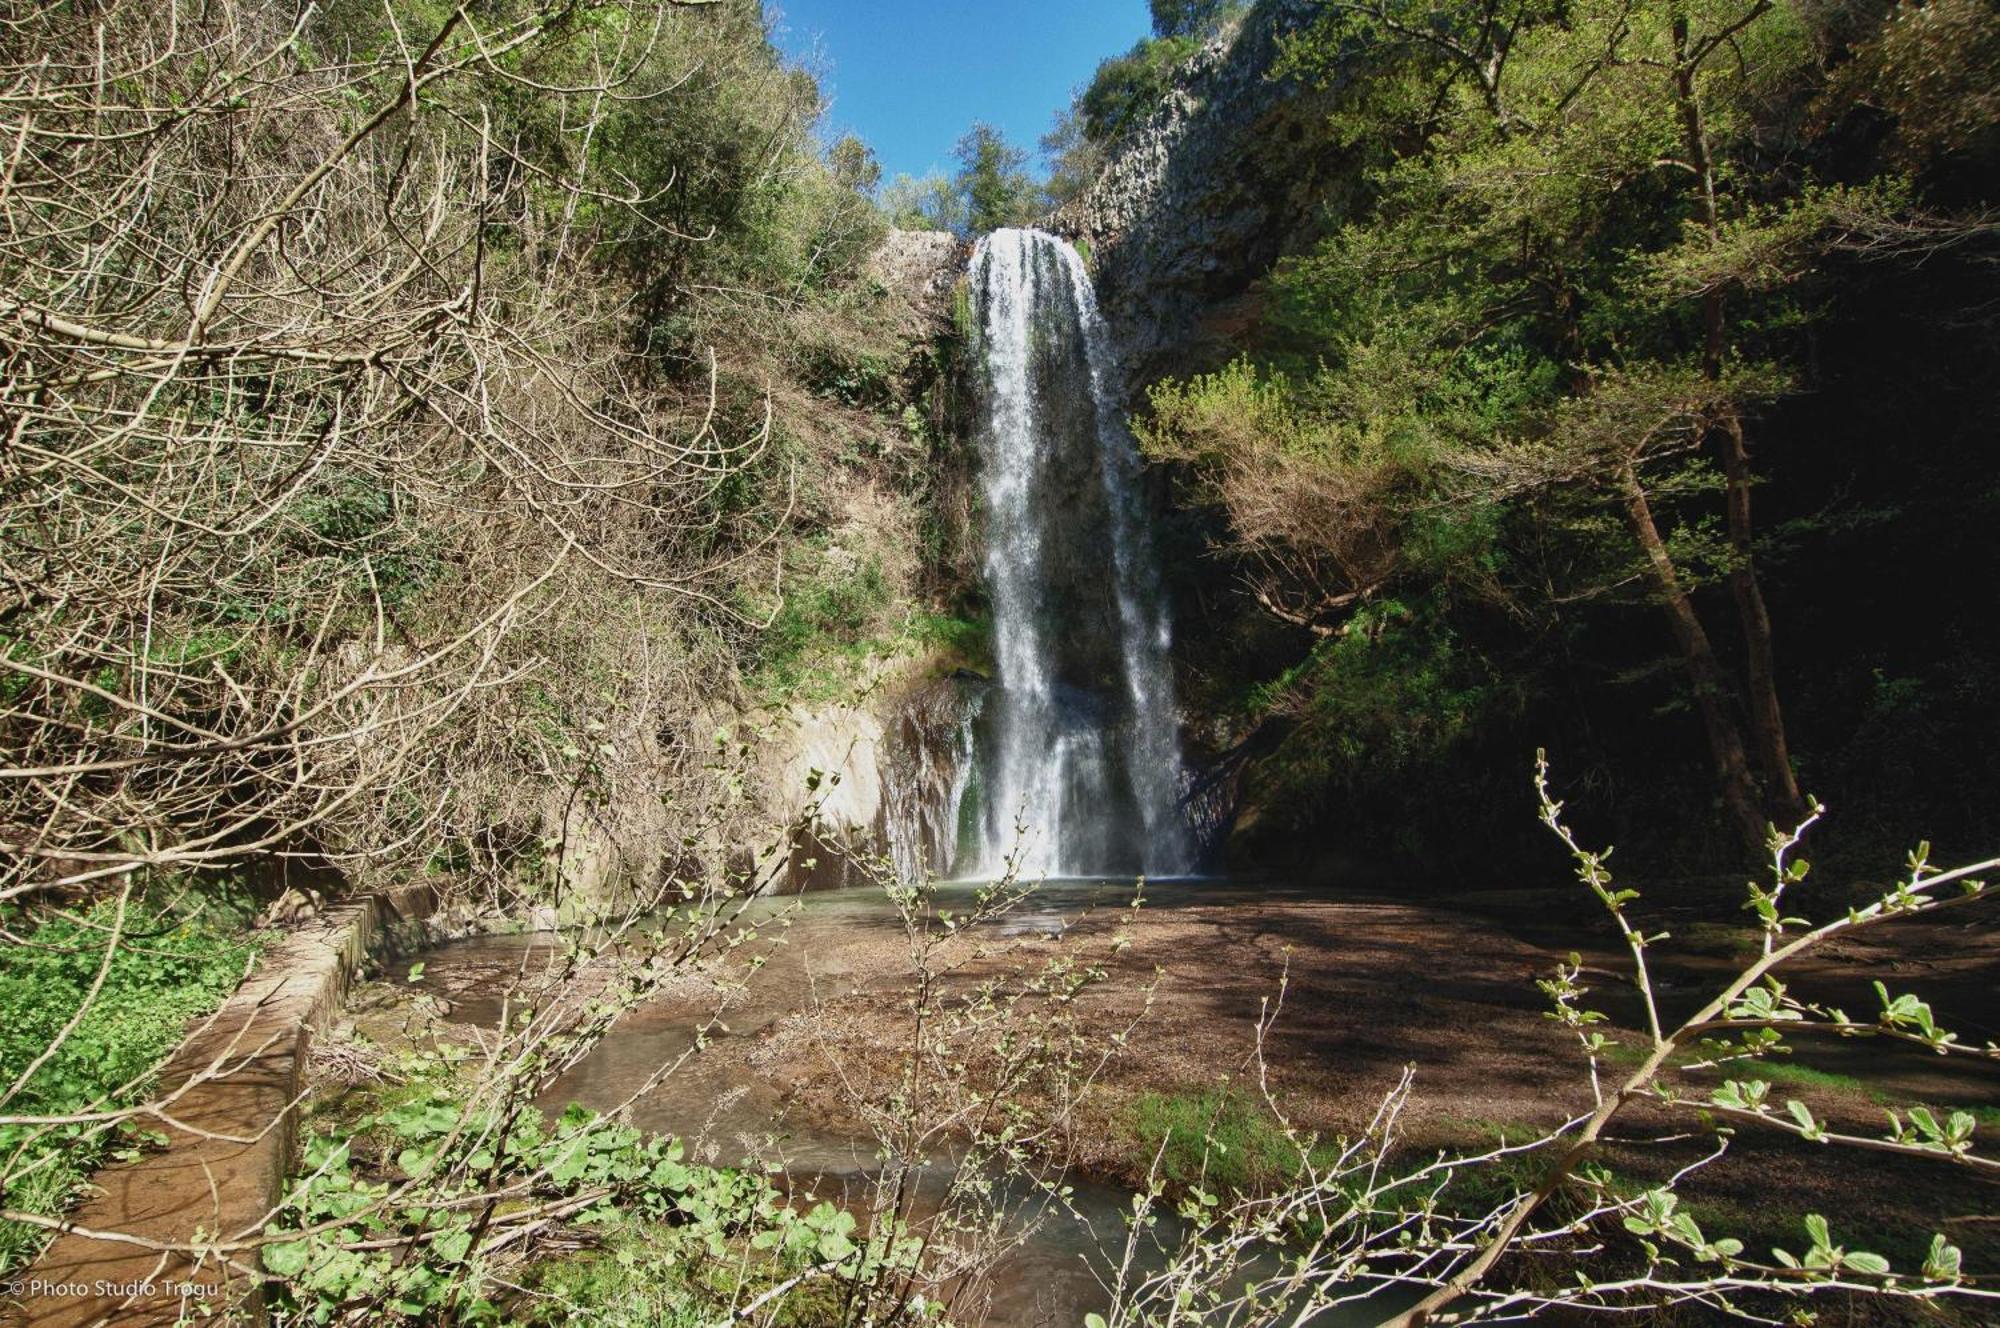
[(1080, 755)]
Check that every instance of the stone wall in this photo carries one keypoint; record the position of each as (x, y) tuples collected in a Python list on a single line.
[(229, 1114)]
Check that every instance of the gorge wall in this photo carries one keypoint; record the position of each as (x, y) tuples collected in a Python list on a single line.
[(1198, 202), (1189, 215), (1191, 210), (845, 787)]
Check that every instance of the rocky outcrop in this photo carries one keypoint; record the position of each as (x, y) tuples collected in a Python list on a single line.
[(927, 774), (921, 266), (863, 791), (1198, 202), (824, 767)]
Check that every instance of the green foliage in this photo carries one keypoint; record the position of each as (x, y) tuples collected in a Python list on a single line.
[(1074, 158), (715, 133), (1527, 305), (661, 1276), (854, 164), (962, 321), (605, 256), (1126, 89), (1936, 69), (991, 188), (1384, 704), (623, 1177), (181, 952), (833, 616), (347, 519), (859, 376), (993, 180), (1218, 1141), (932, 203), (1188, 18), (839, 612), (1346, 474), (685, 1239), (1539, 293), (964, 642)]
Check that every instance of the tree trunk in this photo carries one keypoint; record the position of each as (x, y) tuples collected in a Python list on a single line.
[(1781, 799), (1767, 722), (1711, 688)]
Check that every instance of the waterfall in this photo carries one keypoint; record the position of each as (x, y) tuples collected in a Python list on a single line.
[(924, 780), (1079, 753)]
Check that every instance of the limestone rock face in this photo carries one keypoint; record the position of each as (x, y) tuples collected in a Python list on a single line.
[(828, 779), (859, 793), (1199, 201), (920, 266)]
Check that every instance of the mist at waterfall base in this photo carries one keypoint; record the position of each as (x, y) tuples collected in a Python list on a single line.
[(1075, 767)]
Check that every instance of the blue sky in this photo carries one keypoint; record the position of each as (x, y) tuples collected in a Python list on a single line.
[(910, 76)]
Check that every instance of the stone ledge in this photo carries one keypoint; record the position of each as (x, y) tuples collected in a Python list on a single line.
[(242, 1074)]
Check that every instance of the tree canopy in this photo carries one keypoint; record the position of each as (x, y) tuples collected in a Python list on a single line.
[(993, 178), (1532, 371)]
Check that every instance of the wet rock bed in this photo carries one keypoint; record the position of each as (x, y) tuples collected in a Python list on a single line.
[(1369, 985)]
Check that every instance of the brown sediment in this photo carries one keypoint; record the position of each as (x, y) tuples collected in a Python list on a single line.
[(1370, 986), (811, 1047)]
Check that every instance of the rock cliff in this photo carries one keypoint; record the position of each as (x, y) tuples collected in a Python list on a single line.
[(1198, 202), (846, 788)]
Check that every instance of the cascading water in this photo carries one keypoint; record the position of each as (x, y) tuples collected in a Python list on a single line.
[(930, 757), (1079, 755)]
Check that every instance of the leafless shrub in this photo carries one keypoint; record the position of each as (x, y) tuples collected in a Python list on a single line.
[(325, 454)]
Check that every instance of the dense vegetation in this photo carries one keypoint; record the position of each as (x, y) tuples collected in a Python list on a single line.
[(465, 423), (1635, 402), (167, 959), (439, 437), (425, 424), (991, 188)]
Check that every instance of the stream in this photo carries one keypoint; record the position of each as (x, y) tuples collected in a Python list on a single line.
[(1056, 1276), (1061, 1269)]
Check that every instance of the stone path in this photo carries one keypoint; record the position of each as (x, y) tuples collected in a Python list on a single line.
[(239, 1078)]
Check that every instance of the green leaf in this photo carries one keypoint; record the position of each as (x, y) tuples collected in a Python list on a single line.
[(287, 1260), (451, 1246), (1807, 1125), (568, 1167), (1944, 1261)]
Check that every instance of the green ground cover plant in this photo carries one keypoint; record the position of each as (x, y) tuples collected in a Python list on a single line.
[(1218, 1139), (122, 978)]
